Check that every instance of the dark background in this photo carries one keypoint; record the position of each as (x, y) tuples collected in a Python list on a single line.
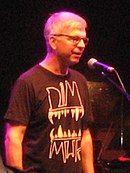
[(22, 44)]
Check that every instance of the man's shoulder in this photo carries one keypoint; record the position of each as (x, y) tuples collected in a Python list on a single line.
[(30, 76), (30, 73)]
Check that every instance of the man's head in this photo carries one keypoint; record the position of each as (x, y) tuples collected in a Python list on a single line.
[(65, 25), (60, 21)]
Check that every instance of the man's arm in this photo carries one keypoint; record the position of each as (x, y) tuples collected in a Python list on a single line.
[(13, 145), (87, 152)]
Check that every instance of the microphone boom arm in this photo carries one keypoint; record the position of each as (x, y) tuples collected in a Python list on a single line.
[(120, 88)]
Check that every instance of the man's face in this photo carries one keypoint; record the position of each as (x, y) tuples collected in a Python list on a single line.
[(70, 44)]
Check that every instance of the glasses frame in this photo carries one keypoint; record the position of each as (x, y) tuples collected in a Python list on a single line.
[(75, 39)]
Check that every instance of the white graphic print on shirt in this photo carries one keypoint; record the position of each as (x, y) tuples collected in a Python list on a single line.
[(68, 138)]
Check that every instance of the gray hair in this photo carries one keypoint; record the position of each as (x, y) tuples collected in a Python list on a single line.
[(61, 20)]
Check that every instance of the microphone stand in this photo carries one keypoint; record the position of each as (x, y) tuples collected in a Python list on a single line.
[(123, 91), (120, 87)]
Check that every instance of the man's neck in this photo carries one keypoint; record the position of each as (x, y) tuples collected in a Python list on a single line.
[(52, 64)]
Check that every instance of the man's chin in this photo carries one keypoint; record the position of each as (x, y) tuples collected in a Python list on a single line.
[(74, 62), (76, 58)]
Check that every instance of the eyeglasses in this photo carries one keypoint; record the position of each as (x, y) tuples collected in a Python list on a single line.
[(75, 39)]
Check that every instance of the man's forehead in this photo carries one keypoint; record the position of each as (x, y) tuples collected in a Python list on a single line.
[(73, 23), (74, 27)]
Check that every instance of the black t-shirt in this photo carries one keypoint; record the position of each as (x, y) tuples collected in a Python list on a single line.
[(55, 110)]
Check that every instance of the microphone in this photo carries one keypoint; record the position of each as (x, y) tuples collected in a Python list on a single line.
[(93, 63)]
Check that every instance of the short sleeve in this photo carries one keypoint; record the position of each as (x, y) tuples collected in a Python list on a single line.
[(20, 103)]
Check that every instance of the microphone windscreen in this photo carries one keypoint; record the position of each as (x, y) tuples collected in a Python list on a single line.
[(91, 63)]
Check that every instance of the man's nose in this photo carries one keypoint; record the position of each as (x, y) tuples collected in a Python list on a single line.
[(81, 43)]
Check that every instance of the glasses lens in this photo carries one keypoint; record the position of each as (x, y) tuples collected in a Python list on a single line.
[(86, 40), (75, 39)]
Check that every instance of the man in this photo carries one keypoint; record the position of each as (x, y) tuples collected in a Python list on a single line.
[(47, 122)]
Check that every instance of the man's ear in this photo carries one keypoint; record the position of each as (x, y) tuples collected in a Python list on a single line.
[(52, 42)]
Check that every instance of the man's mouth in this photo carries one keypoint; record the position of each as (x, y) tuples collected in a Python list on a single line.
[(77, 53)]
